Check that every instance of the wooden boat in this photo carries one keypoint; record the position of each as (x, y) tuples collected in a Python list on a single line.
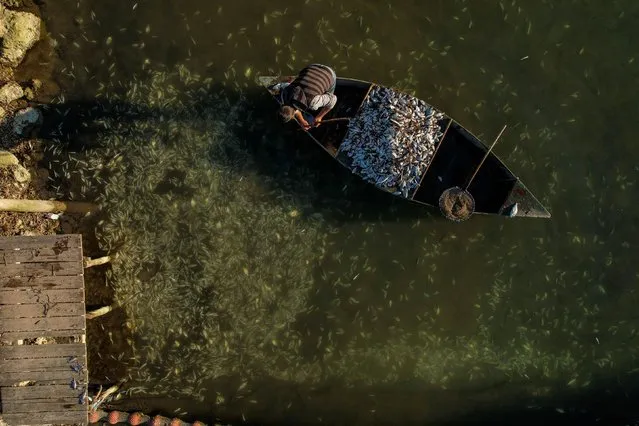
[(495, 188)]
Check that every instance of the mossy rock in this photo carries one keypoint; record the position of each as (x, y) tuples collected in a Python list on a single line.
[(21, 174), (12, 3), (8, 159)]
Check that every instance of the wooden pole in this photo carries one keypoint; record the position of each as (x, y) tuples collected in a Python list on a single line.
[(484, 159), (46, 206), (329, 120), (99, 312), (88, 262)]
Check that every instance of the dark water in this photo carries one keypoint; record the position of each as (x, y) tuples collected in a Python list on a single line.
[(405, 317)]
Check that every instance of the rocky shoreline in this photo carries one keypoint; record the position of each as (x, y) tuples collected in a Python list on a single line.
[(27, 63)]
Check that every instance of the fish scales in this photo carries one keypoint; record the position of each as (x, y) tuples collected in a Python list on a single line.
[(392, 140)]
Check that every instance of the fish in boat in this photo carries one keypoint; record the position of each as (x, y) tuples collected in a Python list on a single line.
[(403, 145)]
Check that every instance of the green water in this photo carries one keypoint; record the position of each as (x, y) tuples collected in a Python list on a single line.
[(370, 310)]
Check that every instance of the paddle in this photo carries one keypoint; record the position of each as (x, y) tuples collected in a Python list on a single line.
[(329, 120), (458, 204)]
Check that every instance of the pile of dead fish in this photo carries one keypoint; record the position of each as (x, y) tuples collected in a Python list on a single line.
[(392, 140)]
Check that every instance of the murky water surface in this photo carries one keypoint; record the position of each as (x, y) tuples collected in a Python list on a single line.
[(265, 282)]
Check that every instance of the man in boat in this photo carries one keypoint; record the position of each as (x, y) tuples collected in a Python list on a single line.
[(312, 90)]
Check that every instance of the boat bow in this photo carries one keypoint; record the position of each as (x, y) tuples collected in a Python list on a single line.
[(522, 203)]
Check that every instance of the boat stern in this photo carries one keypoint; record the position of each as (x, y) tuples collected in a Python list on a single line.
[(522, 203), (268, 82)]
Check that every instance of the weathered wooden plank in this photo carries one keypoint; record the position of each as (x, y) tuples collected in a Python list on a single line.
[(17, 335), (40, 364), (36, 310), (42, 324), (39, 393), (48, 417), (42, 351), (57, 242), (47, 377), (73, 254), (41, 269), (11, 297), (14, 407), (49, 281)]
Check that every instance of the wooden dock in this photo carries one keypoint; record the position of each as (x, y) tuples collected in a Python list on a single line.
[(42, 296)]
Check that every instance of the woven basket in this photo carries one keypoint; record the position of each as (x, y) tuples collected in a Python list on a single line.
[(456, 204)]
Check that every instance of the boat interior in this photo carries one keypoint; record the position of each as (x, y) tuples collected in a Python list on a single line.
[(457, 157), (350, 96)]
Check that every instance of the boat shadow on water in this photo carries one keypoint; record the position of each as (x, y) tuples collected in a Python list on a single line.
[(291, 164), (280, 154), (294, 164)]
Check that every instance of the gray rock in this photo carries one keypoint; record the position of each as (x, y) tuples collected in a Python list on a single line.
[(8, 159), (19, 32), (25, 119), (10, 92)]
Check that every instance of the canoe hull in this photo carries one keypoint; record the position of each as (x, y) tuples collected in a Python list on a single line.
[(497, 191)]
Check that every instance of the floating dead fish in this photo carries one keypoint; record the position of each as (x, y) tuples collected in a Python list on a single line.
[(82, 398)]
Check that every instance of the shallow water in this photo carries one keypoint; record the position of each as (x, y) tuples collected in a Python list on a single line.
[(401, 301)]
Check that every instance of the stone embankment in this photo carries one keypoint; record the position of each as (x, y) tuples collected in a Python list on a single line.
[(22, 174)]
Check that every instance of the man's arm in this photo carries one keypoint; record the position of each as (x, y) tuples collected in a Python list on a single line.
[(300, 119), (324, 103), (322, 113)]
